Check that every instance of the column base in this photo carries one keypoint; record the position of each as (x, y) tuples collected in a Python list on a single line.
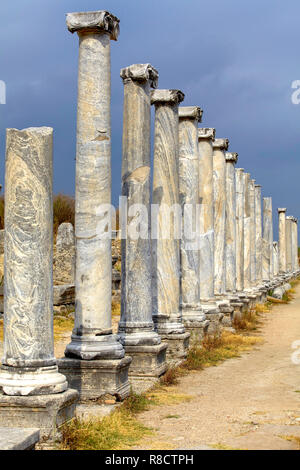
[(17, 381), (178, 346), (92, 347), (168, 324), (45, 412), (93, 379), (213, 315), (147, 366)]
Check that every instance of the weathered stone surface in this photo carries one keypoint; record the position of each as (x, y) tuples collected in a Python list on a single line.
[(64, 295), (136, 324), (64, 257), (247, 233), (219, 180), (165, 246), (18, 439), (45, 412), (282, 240), (267, 239), (239, 229), (178, 346), (189, 200), (275, 259), (92, 335), (28, 364), (258, 231), (252, 233), (295, 257), (95, 378), (288, 243), (230, 226), (94, 22), (206, 199)]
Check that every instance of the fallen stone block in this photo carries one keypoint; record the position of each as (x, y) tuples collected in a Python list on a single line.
[(18, 438)]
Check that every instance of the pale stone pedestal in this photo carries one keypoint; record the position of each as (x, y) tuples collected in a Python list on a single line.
[(147, 366), (45, 412), (94, 379), (178, 346)]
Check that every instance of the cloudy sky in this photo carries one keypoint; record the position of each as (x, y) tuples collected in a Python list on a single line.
[(236, 59)]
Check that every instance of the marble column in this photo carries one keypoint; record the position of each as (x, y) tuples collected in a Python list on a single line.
[(167, 312), (247, 233), (92, 337), (219, 179), (29, 367), (282, 240), (193, 316), (258, 232), (206, 137), (288, 244), (136, 327), (252, 233), (275, 259), (267, 239), (295, 262), (230, 227), (240, 196)]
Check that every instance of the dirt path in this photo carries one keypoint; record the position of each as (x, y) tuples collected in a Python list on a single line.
[(252, 402)]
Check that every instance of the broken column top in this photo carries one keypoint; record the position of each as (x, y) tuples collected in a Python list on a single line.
[(166, 97), (281, 209), (206, 133), (240, 169), (292, 218), (258, 185), (190, 112), (231, 157), (275, 243), (94, 22), (141, 73), (221, 144)]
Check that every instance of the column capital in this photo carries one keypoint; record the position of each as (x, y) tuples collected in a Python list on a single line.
[(94, 22), (240, 169), (140, 73), (206, 133), (280, 209), (292, 218), (231, 157), (166, 97), (221, 144), (190, 112), (258, 185)]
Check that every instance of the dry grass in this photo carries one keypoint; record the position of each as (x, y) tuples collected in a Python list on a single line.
[(295, 439), (250, 321), (1, 330), (118, 431), (115, 309), (1, 212), (61, 327), (63, 210)]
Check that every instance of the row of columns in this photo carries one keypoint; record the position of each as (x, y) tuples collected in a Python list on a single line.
[(173, 287)]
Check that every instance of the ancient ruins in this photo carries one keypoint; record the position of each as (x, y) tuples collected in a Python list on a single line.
[(180, 281)]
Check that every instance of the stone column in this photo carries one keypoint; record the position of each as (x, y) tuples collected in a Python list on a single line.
[(267, 239), (193, 317), (165, 241), (247, 233), (288, 244), (295, 257), (92, 338), (29, 367), (258, 231), (240, 197), (275, 258), (219, 168), (230, 227), (206, 137), (252, 233), (136, 326), (282, 241)]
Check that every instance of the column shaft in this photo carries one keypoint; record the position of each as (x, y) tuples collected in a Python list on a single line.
[(288, 244), (282, 240), (258, 231), (240, 229), (267, 239), (166, 246), (136, 324), (252, 233), (247, 232), (219, 179), (230, 228), (206, 198), (28, 364)]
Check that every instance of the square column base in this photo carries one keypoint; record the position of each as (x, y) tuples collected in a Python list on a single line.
[(94, 379), (147, 366), (197, 330), (178, 346), (45, 412)]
